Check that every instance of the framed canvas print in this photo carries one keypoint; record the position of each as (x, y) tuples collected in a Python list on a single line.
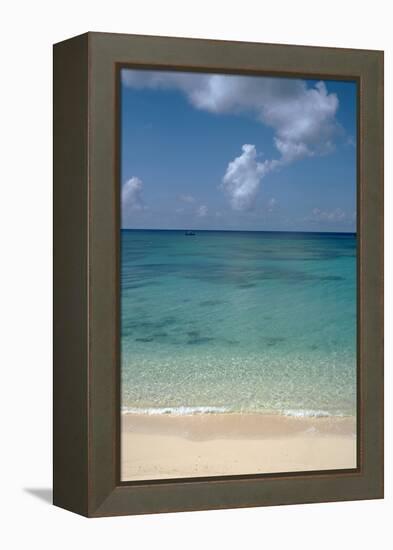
[(218, 274)]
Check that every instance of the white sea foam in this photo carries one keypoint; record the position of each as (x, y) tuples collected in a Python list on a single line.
[(190, 410), (300, 413), (179, 411)]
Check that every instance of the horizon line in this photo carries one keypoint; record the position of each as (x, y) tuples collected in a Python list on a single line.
[(239, 230)]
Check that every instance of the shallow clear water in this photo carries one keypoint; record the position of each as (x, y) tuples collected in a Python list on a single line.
[(238, 321)]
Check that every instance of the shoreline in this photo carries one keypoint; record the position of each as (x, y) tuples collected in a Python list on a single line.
[(164, 446)]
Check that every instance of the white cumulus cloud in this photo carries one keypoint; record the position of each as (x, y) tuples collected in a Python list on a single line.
[(243, 176), (302, 117), (131, 196)]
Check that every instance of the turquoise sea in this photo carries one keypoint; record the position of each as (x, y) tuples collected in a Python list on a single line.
[(238, 321)]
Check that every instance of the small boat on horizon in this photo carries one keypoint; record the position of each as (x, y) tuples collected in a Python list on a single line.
[(189, 233)]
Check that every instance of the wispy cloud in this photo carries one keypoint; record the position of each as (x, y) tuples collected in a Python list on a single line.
[(186, 198), (336, 215), (202, 211), (271, 204), (350, 141)]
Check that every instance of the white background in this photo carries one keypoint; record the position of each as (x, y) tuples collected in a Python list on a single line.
[(28, 30)]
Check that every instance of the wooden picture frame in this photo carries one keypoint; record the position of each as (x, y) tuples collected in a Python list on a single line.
[(86, 275)]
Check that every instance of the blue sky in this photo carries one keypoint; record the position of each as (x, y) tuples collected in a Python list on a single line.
[(237, 152)]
